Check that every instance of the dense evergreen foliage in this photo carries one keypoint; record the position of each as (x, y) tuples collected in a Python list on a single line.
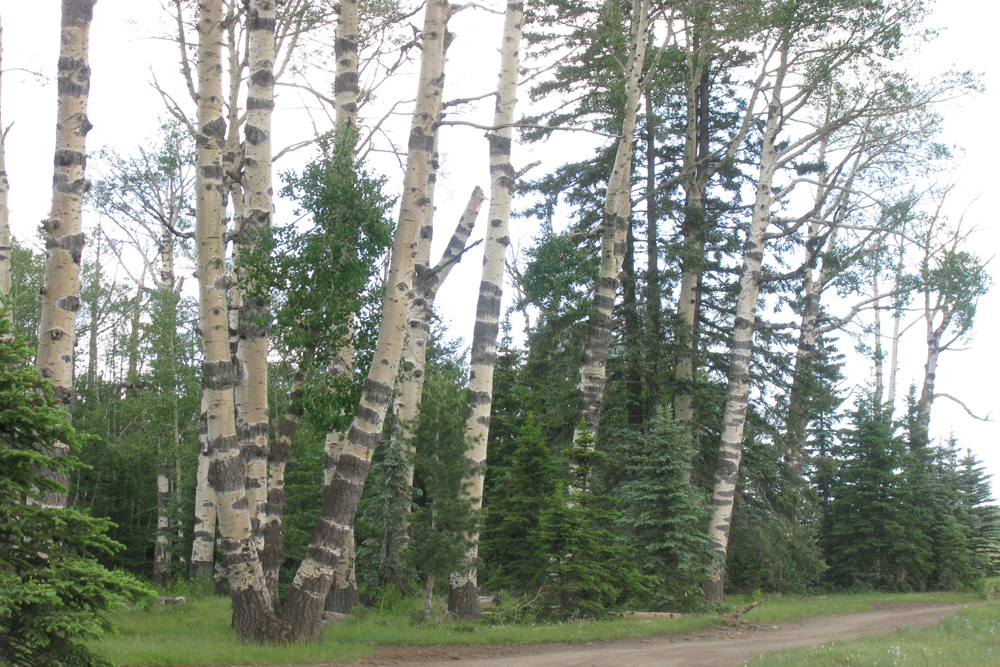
[(54, 593)]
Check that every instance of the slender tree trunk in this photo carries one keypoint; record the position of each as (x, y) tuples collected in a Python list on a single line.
[(734, 412), (64, 236), (463, 594), (133, 343), (632, 333), (5, 275), (878, 354), (343, 594), (309, 589), (253, 618), (254, 328), (654, 297), (897, 314), (345, 85), (426, 285), (272, 530), (203, 547), (161, 552), (693, 231), (617, 211)]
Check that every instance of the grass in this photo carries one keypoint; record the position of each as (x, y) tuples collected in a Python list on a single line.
[(198, 633), (784, 609), (970, 639)]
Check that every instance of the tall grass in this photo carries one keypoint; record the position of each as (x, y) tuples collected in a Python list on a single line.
[(970, 639)]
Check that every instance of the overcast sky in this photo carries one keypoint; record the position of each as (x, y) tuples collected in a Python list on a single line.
[(125, 110)]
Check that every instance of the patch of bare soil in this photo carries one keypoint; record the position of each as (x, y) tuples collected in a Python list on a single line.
[(719, 646)]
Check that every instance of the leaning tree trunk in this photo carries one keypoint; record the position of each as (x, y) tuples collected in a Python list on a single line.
[(426, 285), (254, 311), (5, 276), (304, 604), (617, 209), (737, 393), (463, 591), (64, 236), (253, 618)]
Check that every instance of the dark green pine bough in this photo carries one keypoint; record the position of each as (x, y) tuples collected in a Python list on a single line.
[(54, 595)]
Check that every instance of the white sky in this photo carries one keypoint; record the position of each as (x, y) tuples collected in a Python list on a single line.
[(125, 111)]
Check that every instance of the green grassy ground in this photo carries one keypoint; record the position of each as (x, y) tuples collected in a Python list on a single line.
[(198, 633), (970, 639)]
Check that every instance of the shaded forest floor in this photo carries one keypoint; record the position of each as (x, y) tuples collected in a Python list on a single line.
[(198, 633)]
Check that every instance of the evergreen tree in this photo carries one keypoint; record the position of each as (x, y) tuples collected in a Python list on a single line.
[(54, 595), (874, 538), (524, 488), (662, 514)]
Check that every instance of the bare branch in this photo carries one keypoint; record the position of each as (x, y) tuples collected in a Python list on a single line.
[(965, 407)]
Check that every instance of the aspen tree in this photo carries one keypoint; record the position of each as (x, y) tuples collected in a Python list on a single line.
[(64, 237), (5, 279), (252, 611), (794, 85), (254, 310), (614, 227), (407, 406), (463, 593), (309, 589)]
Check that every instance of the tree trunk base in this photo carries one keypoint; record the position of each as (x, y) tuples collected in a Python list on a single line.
[(202, 569), (342, 600), (463, 601), (714, 591)]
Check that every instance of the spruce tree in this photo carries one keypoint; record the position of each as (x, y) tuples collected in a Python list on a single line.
[(54, 595)]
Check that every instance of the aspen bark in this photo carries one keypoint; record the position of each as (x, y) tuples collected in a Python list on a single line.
[(426, 285), (890, 398), (161, 551), (463, 592), (253, 618), (203, 546), (309, 589), (692, 230), (654, 324), (64, 236), (617, 210), (737, 392), (343, 595), (5, 275), (254, 309)]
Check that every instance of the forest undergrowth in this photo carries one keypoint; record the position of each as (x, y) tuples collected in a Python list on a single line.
[(199, 632)]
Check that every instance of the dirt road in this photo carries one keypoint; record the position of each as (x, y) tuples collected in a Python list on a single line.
[(715, 647)]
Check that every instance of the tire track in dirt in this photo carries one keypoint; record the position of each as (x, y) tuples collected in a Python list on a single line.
[(714, 647)]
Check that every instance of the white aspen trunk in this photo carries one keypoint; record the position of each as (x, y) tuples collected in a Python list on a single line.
[(463, 591), (426, 285), (253, 326), (64, 236), (203, 546), (879, 383), (617, 210), (253, 618), (161, 551), (345, 84), (890, 397), (328, 543), (734, 412), (693, 231), (5, 275), (343, 595), (272, 531)]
